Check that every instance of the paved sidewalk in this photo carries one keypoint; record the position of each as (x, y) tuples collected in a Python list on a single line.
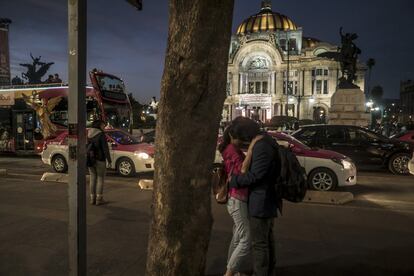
[(311, 239)]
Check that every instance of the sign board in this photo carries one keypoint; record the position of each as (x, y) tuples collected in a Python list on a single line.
[(252, 100), (7, 99)]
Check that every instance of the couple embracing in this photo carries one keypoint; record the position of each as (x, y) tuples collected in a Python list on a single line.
[(253, 202)]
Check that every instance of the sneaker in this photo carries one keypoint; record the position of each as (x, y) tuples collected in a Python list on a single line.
[(100, 200)]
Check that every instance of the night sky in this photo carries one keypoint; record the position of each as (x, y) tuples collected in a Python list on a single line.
[(131, 44)]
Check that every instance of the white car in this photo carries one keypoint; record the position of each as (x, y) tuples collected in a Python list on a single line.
[(411, 165), (326, 170), (127, 154)]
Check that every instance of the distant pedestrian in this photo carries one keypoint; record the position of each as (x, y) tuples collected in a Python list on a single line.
[(141, 135), (50, 79), (57, 79), (97, 156), (263, 204), (239, 253)]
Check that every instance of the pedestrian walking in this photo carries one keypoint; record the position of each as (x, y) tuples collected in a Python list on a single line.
[(262, 168), (239, 257), (97, 156)]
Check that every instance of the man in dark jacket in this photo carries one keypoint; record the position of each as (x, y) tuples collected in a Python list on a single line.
[(263, 202), (97, 170)]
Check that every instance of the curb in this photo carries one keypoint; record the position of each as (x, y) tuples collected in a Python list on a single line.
[(3, 171), (335, 198), (55, 177), (146, 184)]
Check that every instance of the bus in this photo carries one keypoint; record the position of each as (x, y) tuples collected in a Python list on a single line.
[(23, 109)]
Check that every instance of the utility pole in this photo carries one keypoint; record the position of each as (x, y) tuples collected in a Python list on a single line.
[(77, 137), (77, 134)]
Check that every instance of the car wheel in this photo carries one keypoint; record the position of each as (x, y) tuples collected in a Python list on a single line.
[(398, 163), (322, 179), (59, 164), (125, 167)]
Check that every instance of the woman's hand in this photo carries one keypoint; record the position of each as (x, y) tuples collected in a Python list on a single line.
[(248, 159)]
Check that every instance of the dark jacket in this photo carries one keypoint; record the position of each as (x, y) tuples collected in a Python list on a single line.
[(100, 145), (261, 179)]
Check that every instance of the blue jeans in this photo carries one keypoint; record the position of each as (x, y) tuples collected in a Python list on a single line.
[(239, 250)]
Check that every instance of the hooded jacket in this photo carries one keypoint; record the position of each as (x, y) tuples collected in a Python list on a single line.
[(97, 137)]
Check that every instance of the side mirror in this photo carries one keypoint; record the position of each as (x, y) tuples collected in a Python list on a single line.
[(113, 145)]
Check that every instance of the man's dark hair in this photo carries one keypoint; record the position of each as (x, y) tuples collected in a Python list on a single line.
[(241, 128)]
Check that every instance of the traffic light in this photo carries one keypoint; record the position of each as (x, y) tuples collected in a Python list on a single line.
[(136, 3)]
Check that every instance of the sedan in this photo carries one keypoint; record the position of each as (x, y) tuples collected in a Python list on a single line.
[(128, 155)]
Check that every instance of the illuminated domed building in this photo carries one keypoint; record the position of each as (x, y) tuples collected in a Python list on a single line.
[(274, 70)]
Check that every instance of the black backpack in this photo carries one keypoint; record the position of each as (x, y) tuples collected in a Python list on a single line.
[(91, 154), (291, 184)]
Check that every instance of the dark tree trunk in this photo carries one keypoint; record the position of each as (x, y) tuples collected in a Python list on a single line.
[(192, 95)]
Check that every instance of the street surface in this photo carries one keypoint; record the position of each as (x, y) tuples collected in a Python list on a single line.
[(373, 235)]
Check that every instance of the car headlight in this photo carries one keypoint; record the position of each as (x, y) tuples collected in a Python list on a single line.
[(346, 164), (142, 155)]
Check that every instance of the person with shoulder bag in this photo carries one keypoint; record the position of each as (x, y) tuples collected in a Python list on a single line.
[(97, 156), (239, 253)]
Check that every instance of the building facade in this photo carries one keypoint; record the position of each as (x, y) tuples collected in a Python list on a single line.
[(4, 52), (407, 100), (274, 70)]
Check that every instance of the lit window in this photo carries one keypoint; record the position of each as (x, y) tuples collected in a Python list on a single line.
[(318, 87)]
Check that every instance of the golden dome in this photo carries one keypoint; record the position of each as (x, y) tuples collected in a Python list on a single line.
[(266, 20)]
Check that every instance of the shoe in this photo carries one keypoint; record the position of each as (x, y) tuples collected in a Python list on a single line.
[(92, 199), (100, 200)]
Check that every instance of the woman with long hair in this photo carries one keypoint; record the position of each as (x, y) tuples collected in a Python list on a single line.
[(240, 130)]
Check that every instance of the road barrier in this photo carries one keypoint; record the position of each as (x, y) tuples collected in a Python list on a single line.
[(55, 177), (146, 184), (336, 198)]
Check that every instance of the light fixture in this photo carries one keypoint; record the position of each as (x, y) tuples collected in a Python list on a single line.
[(370, 103)]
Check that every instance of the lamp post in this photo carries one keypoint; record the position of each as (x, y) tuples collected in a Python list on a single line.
[(287, 76)]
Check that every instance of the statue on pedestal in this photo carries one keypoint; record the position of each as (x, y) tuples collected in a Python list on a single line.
[(348, 57)]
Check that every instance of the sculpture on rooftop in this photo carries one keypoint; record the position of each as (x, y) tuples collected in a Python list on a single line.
[(33, 74)]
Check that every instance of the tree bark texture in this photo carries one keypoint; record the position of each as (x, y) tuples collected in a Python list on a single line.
[(193, 90)]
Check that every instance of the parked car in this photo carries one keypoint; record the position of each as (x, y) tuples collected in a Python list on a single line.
[(411, 165), (128, 155), (407, 136), (149, 137), (364, 147), (326, 170)]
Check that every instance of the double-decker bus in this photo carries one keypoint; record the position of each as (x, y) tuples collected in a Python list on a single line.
[(21, 108)]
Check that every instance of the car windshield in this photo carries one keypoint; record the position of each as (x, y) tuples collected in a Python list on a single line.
[(122, 138), (296, 142), (372, 136)]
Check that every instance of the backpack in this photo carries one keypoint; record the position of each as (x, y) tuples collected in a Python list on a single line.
[(91, 154), (220, 185), (292, 183)]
